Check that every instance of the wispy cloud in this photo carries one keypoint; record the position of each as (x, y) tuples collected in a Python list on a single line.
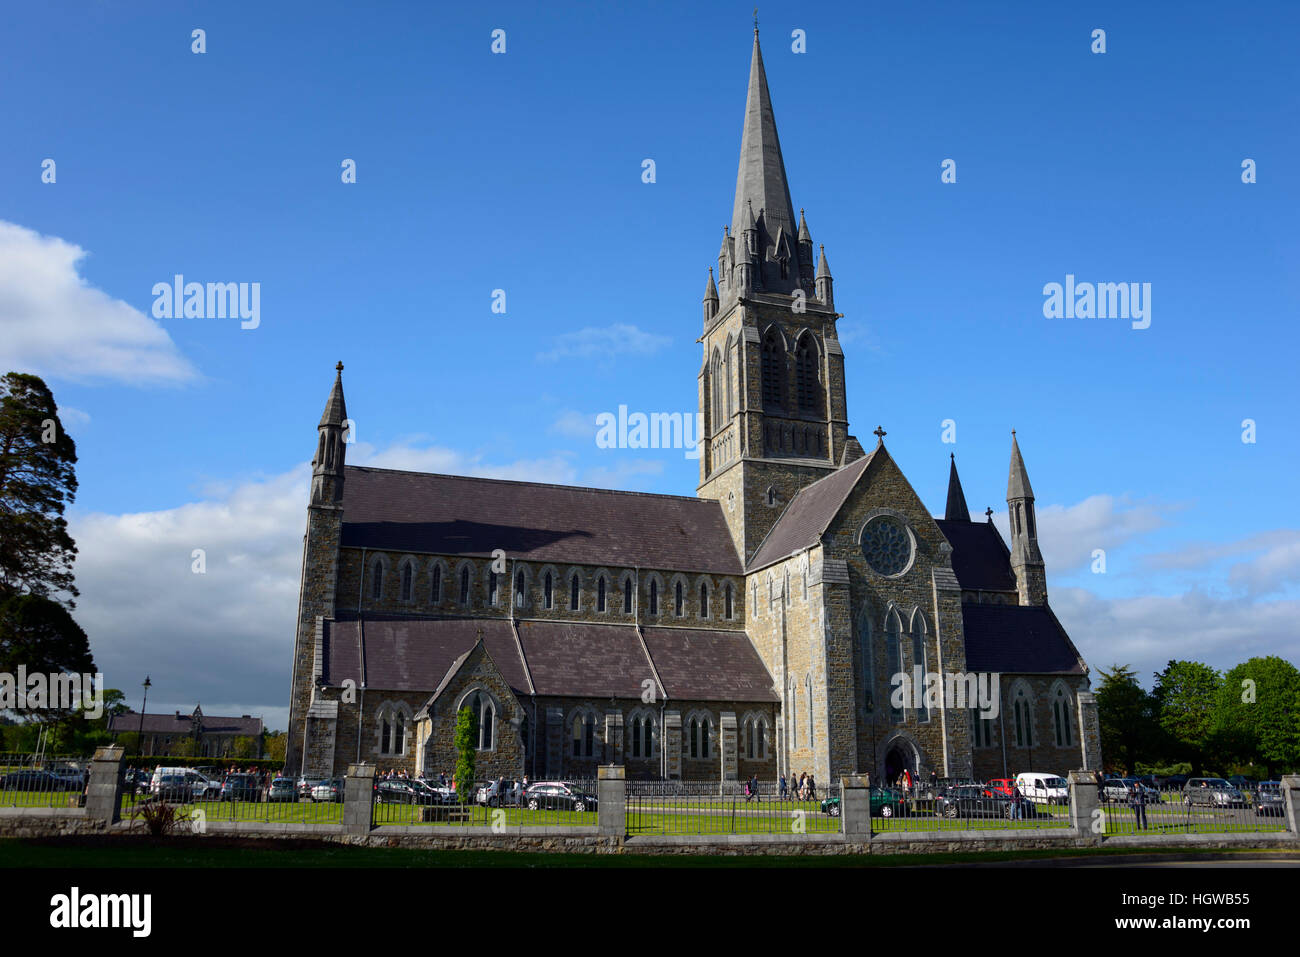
[(603, 343)]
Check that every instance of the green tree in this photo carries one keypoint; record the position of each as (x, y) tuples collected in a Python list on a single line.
[(1185, 694), (466, 741), (243, 747), (1257, 713), (40, 634), (114, 704), (1126, 715), (273, 745), (37, 480)]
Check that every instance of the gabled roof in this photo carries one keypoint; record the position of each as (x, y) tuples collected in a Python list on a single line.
[(395, 653), (462, 515), (1017, 639), (809, 513), (709, 665), (579, 659), (980, 559)]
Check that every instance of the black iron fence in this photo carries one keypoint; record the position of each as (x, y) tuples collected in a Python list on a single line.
[(707, 808)]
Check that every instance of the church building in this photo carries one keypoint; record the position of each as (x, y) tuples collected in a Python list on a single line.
[(768, 625)]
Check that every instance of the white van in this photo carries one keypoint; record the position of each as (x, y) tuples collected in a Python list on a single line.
[(1043, 788)]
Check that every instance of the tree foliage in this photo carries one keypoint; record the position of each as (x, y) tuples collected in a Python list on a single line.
[(1257, 713), (1126, 715), (1185, 694), (466, 741), (37, 480)]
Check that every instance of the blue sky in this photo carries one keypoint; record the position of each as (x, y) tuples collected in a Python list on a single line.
[(522, 172)]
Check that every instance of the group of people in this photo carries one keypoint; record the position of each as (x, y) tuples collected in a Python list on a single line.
[(804, 789)]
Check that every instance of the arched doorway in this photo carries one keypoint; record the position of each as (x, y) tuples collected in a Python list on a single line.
[(898, 758)]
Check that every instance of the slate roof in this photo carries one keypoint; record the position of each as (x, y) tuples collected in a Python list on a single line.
[(980, 559), (560, 658), (709, 665), (415, 653), (809, 513), (1019, 639), (182, 724), (462, 515), (574, 658)]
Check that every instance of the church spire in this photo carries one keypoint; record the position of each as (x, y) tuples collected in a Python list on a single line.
[(331, 448), (761, 181), (710, 299), (1026, 559), (956, 510)]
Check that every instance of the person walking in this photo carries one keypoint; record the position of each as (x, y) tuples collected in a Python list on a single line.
[(784, 786), (1138, 800)]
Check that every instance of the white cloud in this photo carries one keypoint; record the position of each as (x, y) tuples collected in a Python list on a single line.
[(602, 343), (575, 425), (1068, 534), (53, 323), (1270, 561), (1147, 632)]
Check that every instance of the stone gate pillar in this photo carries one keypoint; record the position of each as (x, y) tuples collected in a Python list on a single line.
[(671, 742), (727, 743)]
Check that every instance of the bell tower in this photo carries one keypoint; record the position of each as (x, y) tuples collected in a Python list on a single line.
[(772, 383)]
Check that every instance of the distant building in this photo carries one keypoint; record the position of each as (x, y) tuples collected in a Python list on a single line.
[(163, 733)]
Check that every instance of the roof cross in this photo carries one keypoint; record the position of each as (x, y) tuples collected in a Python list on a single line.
[(880, 434)]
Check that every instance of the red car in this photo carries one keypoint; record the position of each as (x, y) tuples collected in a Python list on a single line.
[(1003, 786)]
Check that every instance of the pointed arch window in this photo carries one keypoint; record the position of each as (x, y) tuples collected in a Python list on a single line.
[(627, 595), (377, 580), (808, 688), (600, 593), (519, 588), (1061, 717), (679, 600), (704, 599), (1024, 719), (807, 375), (715, 379), (492, 588), (464, 585), (894, 661), (792, 702), (727, 606), (773, 365), (408, 573), (435, 587), (918, 659), (574, 592), (548, 591), (485, 717), (868, 664), (654, 597), (584, 734), (727, 380)]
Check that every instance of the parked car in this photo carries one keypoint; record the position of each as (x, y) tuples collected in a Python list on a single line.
[(282, 789), (403, 791), (1241, 783), (241, 787), (305, 786), (493, 794), (1121, 790), (1175, 782), (136, 781), (329, 790), (559, 796), (444, 792), (1268, 799), (1043, 788), (1003, 786), (179, 784), (975, 801), (1212, 792), (884, 803), (31, 779)]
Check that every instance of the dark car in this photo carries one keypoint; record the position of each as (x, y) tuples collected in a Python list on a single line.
[(31, 779), (241, 787), (974, 801), (282, 789), (136, 781), (403, 791), (558, 796), (175, 788), (1269, 799)]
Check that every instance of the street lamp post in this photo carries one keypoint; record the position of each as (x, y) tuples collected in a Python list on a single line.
[(139, 736)]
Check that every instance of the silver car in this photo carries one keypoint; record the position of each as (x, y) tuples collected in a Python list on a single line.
[(1268, 799), (1212, 792)]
